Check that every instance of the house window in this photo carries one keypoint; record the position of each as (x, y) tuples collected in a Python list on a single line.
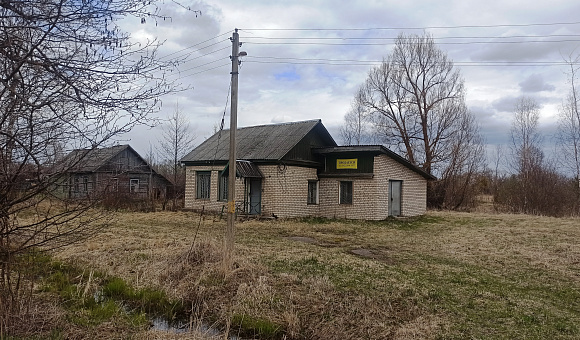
[(115, 184), (84, 184), (312, 192), (134, 185), (203, 184), (345, 192), (223, 187)]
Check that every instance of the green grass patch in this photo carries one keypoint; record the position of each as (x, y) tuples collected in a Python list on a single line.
[(524, 305), (86, 307), (145, 300), (248, 325), (108, 297), (514, 299)]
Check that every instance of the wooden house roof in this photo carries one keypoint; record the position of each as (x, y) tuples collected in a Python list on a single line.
[(90, 160), (95, 160), (258, 143)]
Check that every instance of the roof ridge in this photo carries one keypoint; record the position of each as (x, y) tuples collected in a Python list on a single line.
[(278, 124)]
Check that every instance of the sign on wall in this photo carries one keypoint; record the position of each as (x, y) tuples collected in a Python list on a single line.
[(347, 163)]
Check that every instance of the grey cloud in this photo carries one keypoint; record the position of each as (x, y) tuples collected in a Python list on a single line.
[(505, 104), (535, 83)]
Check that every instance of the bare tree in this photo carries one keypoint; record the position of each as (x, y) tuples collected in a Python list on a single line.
[(417, 100), (71, 78), (527, 156), (526, 139), (355, 130), (417, 97), (569, 126), (536, 186), (176, 141)]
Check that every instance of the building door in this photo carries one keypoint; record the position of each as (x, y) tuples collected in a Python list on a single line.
[(395, 198), (255, 194)]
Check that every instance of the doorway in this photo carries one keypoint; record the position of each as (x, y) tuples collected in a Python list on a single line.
[(395, 197), (255, 196)]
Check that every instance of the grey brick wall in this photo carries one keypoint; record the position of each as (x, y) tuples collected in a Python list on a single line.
[(211, 204), (285, 191), (371, 196), (414, 190)]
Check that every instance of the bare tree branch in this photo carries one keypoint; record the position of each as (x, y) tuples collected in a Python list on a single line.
[(69, 78), (417, 101)]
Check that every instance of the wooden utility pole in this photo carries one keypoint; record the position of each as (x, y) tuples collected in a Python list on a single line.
[(230, 230)]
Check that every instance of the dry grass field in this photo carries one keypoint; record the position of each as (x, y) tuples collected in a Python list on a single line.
[(441, 276)]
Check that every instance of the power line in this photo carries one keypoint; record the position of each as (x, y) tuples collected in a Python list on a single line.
[(209, 69), (395, 38), (356, 62), (195, 45), (412, 28), (372, 41), (439, 43), (207, 54)]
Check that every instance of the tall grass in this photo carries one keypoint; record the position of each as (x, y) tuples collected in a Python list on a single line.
[(444, 275)]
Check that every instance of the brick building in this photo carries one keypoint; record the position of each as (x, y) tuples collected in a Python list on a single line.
[(297, 169)]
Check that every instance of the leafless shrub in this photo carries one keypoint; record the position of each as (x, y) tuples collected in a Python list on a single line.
[(551, 194), (535, 186)]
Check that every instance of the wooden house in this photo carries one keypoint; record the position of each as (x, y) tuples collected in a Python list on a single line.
[(117, 170), (297, 169)]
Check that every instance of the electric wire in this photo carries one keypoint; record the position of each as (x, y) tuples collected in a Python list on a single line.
[(439, 43), (412, 28), (192, 46), (354, 62), (186, 58), (395, 38), (324, 41)]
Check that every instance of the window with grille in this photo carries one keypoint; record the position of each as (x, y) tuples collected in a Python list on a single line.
[(203, 184), (345, 192), (312, 192)]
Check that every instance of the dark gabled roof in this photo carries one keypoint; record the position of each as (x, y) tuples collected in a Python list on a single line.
[(374, 149), (90, 160), (263, 142)]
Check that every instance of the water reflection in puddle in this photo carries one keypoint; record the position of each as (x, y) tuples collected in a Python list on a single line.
[(162, 324)]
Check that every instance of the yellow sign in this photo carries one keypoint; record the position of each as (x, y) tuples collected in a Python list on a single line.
[(346, 163), (232, 207)]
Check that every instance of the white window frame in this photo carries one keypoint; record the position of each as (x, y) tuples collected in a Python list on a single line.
[(134, 185)]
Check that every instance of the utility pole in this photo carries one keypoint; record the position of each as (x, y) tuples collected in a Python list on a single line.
[(230, 230)]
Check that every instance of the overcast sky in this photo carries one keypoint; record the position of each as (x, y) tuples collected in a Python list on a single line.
[(306, 59)]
